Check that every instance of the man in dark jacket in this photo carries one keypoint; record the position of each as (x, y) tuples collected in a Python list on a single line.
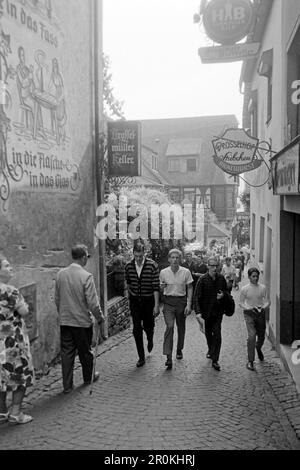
[(197, 270), (209, 304), (142, 281)]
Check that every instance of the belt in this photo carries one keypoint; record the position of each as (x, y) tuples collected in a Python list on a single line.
[(176, 296)]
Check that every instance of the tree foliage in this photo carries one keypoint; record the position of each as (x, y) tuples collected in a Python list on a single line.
[(139, 202), (112, 106), (245, 200)]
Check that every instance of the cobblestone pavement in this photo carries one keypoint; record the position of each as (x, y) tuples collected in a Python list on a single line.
[(191, 407)]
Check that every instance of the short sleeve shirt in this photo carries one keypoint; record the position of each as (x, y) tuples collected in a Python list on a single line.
[(176, 282)]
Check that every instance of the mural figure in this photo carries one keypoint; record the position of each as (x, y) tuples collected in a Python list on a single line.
[(42, 70), (27, 91), (56, 88), (7, 171), (25, 85)]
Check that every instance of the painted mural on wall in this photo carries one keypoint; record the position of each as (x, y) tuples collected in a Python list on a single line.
[(35, 150)]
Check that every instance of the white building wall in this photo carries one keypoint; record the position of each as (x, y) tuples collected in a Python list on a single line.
[(263, 202)]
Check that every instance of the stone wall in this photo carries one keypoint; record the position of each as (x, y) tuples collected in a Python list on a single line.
[(118, 316)]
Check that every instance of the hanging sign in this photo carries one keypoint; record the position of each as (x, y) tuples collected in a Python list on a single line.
[(286, 171), (124, 148), (231, 53), (235, 152), (228, 21)]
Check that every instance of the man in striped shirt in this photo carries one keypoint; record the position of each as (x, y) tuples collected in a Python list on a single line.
[(142, 281)]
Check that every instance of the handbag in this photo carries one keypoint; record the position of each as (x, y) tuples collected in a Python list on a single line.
[(228, 304)]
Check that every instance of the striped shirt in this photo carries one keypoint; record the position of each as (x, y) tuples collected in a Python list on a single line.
[(147, 283)]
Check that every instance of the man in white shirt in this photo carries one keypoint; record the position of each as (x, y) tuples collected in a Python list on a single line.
[(177, 284), (254, 301), (228, 271)]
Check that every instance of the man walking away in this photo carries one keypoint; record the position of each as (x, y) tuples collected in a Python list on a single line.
[(177, 284), (209, 304), (142, 283), (76, 300)]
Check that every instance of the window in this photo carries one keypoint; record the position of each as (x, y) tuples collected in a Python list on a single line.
[(191, 164), (207, 198), (261, 239), (189, 194), (154, 162), (253, 228), (174, 164), (174, 195)]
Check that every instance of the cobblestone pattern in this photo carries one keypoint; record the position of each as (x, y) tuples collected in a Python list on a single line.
[(191, 407)]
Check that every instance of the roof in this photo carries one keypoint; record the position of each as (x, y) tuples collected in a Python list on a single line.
[(178, 147), (188, 136), (217, 232)]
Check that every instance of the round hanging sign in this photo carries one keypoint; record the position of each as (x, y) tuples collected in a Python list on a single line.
[(228, 21)]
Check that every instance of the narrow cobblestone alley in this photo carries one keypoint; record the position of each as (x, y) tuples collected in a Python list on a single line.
[(191, 407)]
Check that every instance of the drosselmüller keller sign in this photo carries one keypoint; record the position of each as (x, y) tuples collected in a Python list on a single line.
[(235, 152), (124, 148)]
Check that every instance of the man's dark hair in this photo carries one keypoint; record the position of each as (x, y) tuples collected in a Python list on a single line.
[(139, 246), (78, 251), (253, 270)]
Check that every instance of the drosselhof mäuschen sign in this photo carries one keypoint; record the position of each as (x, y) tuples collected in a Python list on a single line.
[(235, 152), (124, 148)]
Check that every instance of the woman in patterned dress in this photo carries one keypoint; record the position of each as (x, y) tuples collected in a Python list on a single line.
[(16, 369)]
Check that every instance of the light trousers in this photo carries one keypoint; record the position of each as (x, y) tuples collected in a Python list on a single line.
[(173, 310)]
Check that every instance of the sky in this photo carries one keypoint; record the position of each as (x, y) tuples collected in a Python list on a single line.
[(153, 49)]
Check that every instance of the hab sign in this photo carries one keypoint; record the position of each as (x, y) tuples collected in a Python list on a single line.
[(235, 152), (228, 21), (124, 148)]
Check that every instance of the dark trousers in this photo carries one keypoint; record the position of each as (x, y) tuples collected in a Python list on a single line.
[(256, 328), (213, 336), (72, 340), (141, 309)]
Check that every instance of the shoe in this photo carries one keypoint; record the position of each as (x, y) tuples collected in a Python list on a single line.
[(260, 354), (96, 377), (3, 417), (21, 418), (216, 365), (169, 363), (179, 355), (68, 390), (140, 362), (150, 345), (250, 365), (208, 356)]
